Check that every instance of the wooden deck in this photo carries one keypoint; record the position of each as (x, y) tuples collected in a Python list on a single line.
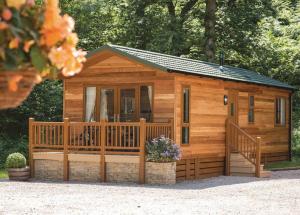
[(102, 138)]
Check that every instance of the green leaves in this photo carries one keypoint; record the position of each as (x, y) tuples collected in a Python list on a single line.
[(38, 60)]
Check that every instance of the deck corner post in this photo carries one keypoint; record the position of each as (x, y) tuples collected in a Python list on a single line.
[(30, 147), (227, 148), (103, 124), (171, 122), (142, 150), (258, 156), (65, 158)]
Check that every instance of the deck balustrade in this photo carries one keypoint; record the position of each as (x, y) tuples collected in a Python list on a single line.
[(104, 138)]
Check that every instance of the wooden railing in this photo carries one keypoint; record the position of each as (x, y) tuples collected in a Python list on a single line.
[(122, 138), (237, 140)]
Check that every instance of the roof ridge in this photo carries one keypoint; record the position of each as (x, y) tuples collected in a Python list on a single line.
[(166, 55)]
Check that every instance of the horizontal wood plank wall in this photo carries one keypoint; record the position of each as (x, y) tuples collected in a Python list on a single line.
[(208, 114), (117, 70), (275, 139), (207, 117)]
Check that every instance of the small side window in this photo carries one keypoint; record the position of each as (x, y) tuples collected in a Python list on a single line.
[(185, 127), (280, 111), (251, 109)]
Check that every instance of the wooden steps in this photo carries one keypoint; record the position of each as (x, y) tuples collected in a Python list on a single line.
[(240, 166)]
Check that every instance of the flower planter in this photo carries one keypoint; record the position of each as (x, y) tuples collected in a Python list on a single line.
[(13, 98), (160, 173), (19, 174)]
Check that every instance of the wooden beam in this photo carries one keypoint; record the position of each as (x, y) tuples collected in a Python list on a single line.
[(142, 150), (31, 161), (66, 139), (102, 150)]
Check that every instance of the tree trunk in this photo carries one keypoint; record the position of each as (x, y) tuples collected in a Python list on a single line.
[(210, 33)]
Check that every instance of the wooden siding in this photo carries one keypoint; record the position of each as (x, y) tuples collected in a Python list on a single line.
[(117, 70), (208, 114)]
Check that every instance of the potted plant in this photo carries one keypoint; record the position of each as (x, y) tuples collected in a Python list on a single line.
[(36, 42), (161, 156), (16, 167)]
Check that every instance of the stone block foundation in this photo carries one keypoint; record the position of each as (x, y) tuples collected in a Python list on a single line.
[(160, 173), (86, 168)]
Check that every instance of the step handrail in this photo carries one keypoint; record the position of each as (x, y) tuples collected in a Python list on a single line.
[(238, 140)]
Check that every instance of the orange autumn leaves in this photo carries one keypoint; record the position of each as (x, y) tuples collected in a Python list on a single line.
[(52, 49), (58, 29)]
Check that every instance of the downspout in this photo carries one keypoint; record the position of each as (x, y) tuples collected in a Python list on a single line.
[(290, 126)]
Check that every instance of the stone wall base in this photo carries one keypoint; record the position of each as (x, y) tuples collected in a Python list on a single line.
[(122, 172), (84, 171), (48, 169), (86, 168), (160, 173)]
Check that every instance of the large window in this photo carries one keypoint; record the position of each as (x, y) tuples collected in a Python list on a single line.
[(185, 115), (280, 111), (251, 109)]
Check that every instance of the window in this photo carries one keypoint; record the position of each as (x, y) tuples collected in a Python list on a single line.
[(185, 131), (90, 104), (146, 93), (280, 106), (251, 109)]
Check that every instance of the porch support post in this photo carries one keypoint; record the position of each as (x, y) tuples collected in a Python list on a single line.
[(258, 154), (142, 150), (171, 122), (102, 150), (66, 139), (227, 148), (30, 148)]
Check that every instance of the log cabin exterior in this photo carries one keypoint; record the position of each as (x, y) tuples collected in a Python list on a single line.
[(199, 99)]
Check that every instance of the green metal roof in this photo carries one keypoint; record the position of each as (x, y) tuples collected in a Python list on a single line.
[(193, 67)]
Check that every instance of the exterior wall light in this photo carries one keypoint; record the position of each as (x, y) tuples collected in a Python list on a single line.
[(225, 100)]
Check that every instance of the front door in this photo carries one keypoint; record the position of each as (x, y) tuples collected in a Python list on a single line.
[(233, 106), (118, 104)]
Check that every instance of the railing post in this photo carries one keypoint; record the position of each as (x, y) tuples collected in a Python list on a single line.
[(227, 148), (66, 139), (258, 156), (30, 148), (142, 150), (171, 122), (102, 150)]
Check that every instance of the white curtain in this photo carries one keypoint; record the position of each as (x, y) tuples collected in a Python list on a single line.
[(150, 96), (103, 105), (282, 111), (90, 104)]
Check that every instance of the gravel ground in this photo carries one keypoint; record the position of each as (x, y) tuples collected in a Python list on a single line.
[(222, 195)]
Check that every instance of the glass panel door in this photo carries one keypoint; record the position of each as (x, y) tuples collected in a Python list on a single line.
[(107, 104), (128, 105)]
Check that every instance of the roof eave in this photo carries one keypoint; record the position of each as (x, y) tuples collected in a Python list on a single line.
[(291, 88), (130, 56)]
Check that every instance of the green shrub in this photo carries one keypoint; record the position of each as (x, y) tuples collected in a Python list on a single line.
[(15, 160), (10, 145)]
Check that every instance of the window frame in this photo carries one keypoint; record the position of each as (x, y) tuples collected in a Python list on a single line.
[(117, 87), (185, 124), (251, 108), (280, 124)]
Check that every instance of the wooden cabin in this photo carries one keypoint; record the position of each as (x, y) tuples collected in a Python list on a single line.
[(214, 111)]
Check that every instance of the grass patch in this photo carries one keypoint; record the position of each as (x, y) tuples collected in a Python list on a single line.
[(284, 164), (3, 174)]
